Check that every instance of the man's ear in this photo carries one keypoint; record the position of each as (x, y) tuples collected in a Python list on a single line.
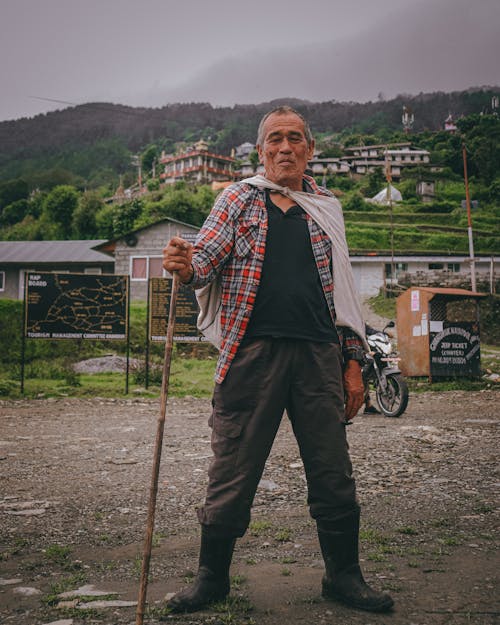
[(259, 152), (311, 149)]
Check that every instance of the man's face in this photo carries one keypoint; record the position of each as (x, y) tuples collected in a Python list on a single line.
[(285, 152)]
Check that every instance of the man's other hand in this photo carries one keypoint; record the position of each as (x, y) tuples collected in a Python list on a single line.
[(177, 256), (354, 388)]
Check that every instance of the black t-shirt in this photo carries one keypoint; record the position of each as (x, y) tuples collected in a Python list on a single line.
[(290, 301)]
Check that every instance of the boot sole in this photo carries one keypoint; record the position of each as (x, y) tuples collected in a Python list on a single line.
[(186, 607), (381, 607)]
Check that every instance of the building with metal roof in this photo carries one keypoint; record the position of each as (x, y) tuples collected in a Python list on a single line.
[(19, 257)]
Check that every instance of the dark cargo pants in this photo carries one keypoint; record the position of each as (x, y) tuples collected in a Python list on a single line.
[(266, 377)]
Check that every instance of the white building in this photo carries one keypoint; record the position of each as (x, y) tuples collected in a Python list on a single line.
[(373, 272)]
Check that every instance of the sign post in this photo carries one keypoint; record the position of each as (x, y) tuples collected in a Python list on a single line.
[(76, 306)]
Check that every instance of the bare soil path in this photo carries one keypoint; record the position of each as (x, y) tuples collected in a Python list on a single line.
[(75, 480)]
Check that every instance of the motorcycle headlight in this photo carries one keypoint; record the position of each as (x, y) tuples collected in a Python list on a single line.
[(386, 348)]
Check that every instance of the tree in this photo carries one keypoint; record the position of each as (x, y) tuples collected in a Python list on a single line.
[(13, 190), (254, 159), (84, 225), (58, 209), (15, 212), (148, 157)]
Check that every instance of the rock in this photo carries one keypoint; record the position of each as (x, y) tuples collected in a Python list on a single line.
[(67, 605), (106, 604), (8, 582), (27, 591), (268, 485), (88, 590)]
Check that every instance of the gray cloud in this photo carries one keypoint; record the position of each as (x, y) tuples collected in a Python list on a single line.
[(226, 52)]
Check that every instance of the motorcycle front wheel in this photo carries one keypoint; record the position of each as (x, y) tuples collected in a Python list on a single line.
[(394, 399)]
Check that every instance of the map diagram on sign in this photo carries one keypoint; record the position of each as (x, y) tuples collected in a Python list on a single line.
[(68, 306)]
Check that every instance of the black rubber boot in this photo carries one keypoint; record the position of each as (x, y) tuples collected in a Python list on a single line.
[(212, 580), (343, 580)]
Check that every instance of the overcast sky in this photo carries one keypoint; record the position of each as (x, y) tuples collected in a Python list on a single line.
[(152, 52)]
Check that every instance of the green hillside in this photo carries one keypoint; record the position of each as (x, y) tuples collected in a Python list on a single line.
[(58, 176)]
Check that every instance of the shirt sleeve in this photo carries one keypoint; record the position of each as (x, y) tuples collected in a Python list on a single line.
[(214, 242), (351, 343)]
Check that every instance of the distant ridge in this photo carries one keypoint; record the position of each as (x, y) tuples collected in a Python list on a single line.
[(135, 127)]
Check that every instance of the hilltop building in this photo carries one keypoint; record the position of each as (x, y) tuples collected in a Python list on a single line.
[(449, 124), (366, 158), (197, 164)]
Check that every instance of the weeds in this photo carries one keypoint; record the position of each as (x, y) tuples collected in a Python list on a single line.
[(58, 554), (257, 528), (407, 531), (283, 535)]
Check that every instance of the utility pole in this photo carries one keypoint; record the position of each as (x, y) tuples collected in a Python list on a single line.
[(469, 221), (388, 177)]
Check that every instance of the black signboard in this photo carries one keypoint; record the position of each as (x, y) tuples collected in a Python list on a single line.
[(454, 350), (76, 306), (185, 330)]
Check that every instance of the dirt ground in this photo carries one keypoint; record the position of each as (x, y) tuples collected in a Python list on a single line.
[(75, 477)]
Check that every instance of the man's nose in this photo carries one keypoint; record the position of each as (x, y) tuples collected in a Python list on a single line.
[(285, 145)]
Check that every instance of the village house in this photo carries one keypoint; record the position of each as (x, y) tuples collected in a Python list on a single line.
[(138, 254), (366, 158), (20, 257), (197, 165)]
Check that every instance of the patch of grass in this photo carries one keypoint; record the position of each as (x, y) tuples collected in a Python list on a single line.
[(63, 585), (283, 535), (442, 522), (449, 540), (58, 554), (237, 581), (233, 609), (483, 508), (373, 537), (286, 572), (383, 306), (15, 549), (257, 528), (407, 530)]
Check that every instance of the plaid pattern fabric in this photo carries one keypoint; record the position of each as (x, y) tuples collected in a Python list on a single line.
[(233, 241)]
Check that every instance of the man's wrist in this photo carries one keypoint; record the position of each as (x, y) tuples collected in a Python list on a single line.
[(188, 277), (354, 353)]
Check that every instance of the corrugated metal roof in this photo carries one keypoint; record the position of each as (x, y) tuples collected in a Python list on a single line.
[(22, 252)]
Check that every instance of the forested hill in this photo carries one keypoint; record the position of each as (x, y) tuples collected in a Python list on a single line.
[(81, 126)]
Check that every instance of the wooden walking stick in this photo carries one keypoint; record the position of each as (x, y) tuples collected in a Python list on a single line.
[(157, 452)]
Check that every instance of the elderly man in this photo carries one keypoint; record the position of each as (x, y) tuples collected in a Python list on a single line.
[(290, 339)]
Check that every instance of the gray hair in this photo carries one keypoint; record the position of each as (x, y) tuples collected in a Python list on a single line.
[(283, 110)]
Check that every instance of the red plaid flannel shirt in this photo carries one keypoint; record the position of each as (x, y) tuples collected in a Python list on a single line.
[(233, 241)]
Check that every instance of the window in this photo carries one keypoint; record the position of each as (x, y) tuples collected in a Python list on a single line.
[(399, 268), (454, 267), (144, 267), (155, 267), (92, 270), (2, 280), (436, 266), (139, 268)]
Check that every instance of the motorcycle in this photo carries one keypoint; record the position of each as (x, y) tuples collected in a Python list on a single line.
[(382, 370)]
